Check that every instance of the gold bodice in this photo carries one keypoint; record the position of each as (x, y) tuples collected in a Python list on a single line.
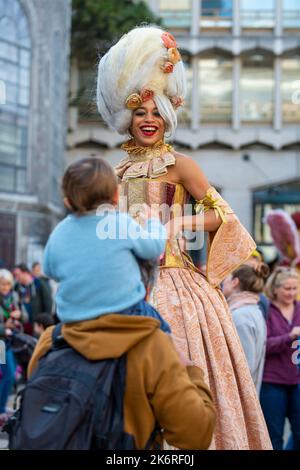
[(170, 198), (228, 247)]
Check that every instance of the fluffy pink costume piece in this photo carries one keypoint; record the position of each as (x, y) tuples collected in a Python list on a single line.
[(285, 234)]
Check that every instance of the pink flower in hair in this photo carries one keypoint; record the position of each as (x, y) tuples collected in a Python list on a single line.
[(168, 40), (168, 67), (177, 101), (146, 94)]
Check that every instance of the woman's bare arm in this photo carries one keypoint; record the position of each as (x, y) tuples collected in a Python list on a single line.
[(189, 174)]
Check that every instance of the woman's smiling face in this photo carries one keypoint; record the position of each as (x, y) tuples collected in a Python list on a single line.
[(147, 126)]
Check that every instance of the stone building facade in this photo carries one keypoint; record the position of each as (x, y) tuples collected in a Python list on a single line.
[(34, 69)]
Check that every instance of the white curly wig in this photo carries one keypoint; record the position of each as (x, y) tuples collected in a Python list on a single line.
[(133, 64)]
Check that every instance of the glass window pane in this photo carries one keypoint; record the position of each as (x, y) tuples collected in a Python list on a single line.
[(8, 30), (257, 223), (22, 156), (21, 181), (8, 71), (171, 5), (216, 13), (24, 77), (257, 14), (13, 23), (23, 110), (8, 158), (257, 84), (291, 13), (7, 50), (7, 178), (24, 96), (11, 93), (290, 89), (215, 82), (22, 136), (14, 73), (24, 58), (11, 108), (8, 134), (8, 148), (175, 14)]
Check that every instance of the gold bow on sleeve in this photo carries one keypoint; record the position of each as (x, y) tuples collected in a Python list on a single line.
[(213, 200)]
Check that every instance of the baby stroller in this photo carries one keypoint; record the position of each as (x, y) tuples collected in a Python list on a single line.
[(22, 346)]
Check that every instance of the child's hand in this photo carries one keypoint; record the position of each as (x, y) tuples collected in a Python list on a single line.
[(145, 213)]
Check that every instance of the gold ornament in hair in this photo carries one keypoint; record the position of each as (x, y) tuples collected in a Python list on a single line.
[(135, 100)]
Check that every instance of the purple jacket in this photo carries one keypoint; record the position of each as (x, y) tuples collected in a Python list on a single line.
[(279, 367)]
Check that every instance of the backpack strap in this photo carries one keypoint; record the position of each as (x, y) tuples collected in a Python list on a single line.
[(58, 341), (151, 443)]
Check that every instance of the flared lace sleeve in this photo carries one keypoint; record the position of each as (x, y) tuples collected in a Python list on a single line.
[(229, 246)]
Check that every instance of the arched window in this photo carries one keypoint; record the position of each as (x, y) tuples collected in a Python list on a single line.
[(15, 60), (215, 88)]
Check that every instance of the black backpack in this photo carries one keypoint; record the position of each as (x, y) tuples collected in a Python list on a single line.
[(72, 403)]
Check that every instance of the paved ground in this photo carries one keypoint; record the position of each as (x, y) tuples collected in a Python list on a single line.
[(3, 441)]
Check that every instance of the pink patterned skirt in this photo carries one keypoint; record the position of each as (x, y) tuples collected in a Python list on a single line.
[(203, 330)]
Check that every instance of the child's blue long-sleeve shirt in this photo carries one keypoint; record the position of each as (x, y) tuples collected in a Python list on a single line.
[(93, 258)]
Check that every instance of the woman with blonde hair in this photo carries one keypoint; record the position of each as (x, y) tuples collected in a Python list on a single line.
[(141, 85), (280, 392)]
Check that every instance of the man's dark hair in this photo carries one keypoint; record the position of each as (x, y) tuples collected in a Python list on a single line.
[(23, 267)]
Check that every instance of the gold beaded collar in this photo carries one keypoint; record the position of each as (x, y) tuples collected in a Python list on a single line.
[(150, 162), (138, 153)]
